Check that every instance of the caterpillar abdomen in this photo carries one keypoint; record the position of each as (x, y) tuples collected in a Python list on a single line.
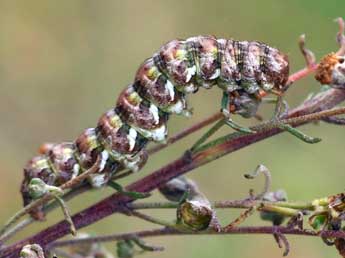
[(242, 69)]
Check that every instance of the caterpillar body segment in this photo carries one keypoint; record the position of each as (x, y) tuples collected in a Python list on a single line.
[(245, 71)]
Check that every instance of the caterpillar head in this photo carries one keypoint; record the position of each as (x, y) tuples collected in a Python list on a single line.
[(331, 70), (281, 72), (38, 213), (37, 167)]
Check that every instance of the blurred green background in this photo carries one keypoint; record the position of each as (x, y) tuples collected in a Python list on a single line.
[(63, 63)]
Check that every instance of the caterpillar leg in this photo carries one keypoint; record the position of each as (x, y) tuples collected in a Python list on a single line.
[(236, 126), (229, 105), (134, 195), (245, 107), (281, 108), (214, 129), (243, 216)]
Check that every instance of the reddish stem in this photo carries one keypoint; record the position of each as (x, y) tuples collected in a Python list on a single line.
[(301, 74)]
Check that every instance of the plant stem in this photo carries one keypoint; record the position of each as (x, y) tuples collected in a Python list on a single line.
[(169, 231), (241, 204), (151, 219), (271, 125)]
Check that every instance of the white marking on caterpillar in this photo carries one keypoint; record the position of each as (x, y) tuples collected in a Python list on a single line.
[(131, 163), (215, 75), (104, 158), (267, 86), (190, 73), (155, 112), (170, 87), (157, 134), (76, 169), (97, 180), (190, 88), (132, 136), (177, 108)]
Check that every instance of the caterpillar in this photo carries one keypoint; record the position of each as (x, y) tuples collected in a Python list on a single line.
[(244, 70)]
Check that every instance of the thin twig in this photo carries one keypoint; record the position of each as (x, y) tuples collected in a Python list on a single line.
[(307, 53), (334, 120), (243, 216), (341, 37), (237, 204), (169, 231), (282, 241), (275, 125), (149, 218)]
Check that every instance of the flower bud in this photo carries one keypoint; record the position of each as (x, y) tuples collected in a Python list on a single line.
[(37, 188), (176, 188), (275, 218), (195, 214), (32, 251)]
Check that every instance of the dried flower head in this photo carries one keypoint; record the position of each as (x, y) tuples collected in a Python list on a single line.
[(331, 70), (196, 214)]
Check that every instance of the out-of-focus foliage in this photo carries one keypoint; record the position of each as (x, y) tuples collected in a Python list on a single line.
[(63, 63)]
